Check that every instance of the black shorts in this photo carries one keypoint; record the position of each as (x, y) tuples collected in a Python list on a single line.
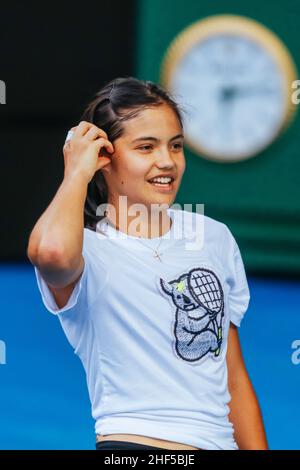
[(123, 445)]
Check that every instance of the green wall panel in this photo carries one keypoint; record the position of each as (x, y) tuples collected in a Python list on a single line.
[(257, 198)]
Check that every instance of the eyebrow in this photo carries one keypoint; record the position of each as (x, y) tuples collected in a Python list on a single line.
[(157, 140)]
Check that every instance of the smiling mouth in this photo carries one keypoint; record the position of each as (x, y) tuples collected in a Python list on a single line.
[(163, 185)]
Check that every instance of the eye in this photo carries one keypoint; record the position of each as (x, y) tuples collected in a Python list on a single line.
[(178, 146), (145, 147)]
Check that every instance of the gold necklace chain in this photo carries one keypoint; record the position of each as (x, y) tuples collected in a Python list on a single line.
[(157, 255)]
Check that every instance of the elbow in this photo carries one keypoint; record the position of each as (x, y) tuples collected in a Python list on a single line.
[(31, 253), (47, 256)]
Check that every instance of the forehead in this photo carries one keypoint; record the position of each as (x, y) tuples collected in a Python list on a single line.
[(155, 121)]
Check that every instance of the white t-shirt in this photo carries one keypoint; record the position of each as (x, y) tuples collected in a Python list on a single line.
[(152, 332)]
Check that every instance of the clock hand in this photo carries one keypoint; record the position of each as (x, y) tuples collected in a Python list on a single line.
[(228, 93), (231, 92)]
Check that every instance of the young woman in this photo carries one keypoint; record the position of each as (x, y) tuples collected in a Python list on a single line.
[(150, 297)]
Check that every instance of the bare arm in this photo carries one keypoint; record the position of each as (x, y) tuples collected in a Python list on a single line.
[(55, 243), (245, 413), (56, 239)]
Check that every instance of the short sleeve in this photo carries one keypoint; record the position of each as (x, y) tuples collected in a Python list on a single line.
[(74, 315), (239, 295), (76, 297)]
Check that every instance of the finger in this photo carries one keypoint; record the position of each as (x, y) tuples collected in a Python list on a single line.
[(69, 136), (99, 132), (103, 161), (94, 133), (101, 142), (105, 153), (84, 126)]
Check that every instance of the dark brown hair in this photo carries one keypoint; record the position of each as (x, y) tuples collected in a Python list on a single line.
[(119, 100)]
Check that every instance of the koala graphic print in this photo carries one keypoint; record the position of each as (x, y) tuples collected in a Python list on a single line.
[(198, 300)]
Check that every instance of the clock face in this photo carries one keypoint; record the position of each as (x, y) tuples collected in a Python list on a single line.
[(234, 93)]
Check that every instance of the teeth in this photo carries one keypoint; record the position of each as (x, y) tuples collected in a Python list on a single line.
[(161, 180)]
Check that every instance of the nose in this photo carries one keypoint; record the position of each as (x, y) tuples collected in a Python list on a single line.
[(186, 299), (164, 159)]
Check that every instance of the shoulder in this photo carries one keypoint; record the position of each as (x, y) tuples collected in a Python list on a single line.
[(213, 230), (91, 247), (88, 232), (88, 237), (93, 254), (91, 236)]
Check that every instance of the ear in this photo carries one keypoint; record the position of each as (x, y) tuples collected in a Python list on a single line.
[(106, 168), (167, 288)]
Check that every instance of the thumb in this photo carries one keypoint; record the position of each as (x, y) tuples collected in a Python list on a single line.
[(102, 161)]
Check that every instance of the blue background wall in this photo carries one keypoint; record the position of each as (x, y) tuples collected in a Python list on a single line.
[(44, 400)]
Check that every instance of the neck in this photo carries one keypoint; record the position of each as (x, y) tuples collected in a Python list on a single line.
[(145, 224)]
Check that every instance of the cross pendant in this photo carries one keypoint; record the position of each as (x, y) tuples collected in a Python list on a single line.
[(157, 255)]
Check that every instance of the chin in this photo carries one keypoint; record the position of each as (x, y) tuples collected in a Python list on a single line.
[(155, 198), (166, 199)]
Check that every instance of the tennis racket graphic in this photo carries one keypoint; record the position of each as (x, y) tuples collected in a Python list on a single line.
[(206, 289)]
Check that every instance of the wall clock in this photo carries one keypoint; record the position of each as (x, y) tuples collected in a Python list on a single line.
[(234, 78)]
